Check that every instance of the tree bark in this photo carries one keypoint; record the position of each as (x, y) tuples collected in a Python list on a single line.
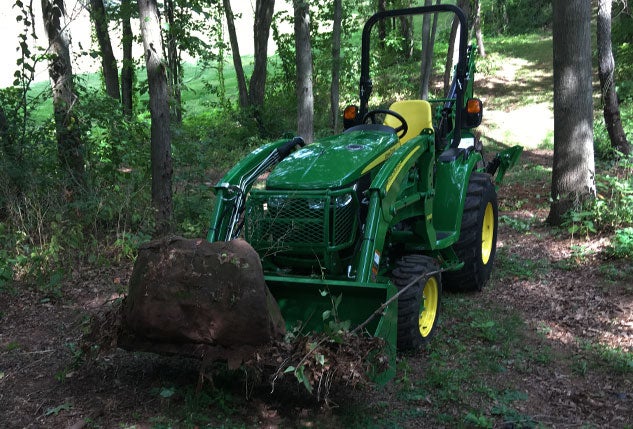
[(261, 30), (127, 68), (464, 4), (477, 27), (606, 67), (237, 59), (573, 170), (159, 110), (174, 64), (406, 27), (382, 24), (108, 62), (428, 46), (303, 49), (336, 64), (69, 142)]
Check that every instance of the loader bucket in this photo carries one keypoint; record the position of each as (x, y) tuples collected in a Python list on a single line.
[(306, 302)]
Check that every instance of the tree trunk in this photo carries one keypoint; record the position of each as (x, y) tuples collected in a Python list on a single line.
[(174, 64), (464, 4), (606, 66), (428, 46), (261, 30), (406, 27), (108, 62), (573, 170), (336, 63), (127, 68), (159, 110), (237, 59), (382, 24), (477, 27), (69, 144), (303, 48)]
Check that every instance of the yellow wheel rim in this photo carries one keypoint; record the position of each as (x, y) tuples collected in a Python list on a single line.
[(487, 233), (430, 300)]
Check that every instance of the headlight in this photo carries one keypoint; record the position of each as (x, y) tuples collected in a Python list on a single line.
[(316, 204), (276, 202), (342, 200)]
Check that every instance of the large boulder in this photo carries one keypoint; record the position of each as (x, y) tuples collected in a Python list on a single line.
[(198, 298)]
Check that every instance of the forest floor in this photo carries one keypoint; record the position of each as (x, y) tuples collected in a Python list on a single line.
[(548, 343)]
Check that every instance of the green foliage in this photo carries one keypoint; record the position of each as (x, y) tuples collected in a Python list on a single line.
[(622, 243), (281, 83), (515, 16), (509, 265), (615, 360), (56, 410), (519, 225), (622, 34), (612, 209)]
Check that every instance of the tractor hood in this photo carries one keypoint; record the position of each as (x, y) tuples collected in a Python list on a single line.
[(333, 162)]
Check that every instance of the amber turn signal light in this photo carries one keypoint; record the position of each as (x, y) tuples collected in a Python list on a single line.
[(350, 113), (473, 105)]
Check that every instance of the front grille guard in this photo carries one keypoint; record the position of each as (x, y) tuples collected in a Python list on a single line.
[(302, 224)]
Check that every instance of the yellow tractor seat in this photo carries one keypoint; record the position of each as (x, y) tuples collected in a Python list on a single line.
[(417, 113)]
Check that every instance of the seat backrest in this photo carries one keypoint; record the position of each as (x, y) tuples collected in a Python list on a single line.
[(417, 113)]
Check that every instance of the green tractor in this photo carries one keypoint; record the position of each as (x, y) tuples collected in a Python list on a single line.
[(406, 203)]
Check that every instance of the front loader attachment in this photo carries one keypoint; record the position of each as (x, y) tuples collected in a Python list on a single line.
[(335, 306), (502, 162)]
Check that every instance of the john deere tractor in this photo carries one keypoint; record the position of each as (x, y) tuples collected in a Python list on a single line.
[(401, 200)]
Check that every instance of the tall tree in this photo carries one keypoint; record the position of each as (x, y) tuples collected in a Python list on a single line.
[(127, 68), (159, 111), (108, 62), (261, 31), (237, 59), (336, 62), (69, 141), (174, 62), (606, 67), (303, 49), (464, 5), (428, 46), (477, 27), (573, 170)]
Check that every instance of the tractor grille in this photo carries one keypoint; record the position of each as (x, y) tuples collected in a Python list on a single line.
[(278, 222)]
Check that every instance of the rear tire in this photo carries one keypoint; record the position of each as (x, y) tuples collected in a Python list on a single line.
[(477, 242), (419, 305)]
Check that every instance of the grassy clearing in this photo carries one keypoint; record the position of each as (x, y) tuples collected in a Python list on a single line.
[(461, 381)]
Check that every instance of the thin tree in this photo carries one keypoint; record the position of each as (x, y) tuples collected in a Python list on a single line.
[(303, 49), (477, 27), (237, 59), (69, 141), (127, 68), (573, 169), (159, 111), (261, 31), (606, 67), (174, 63), (428, 46), (464, 5), (336, 63), (108, 62)]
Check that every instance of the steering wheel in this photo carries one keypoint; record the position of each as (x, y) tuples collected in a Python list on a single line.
[(400, 130)]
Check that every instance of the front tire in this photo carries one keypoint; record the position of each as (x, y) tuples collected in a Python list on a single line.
[(419, 305), (477, 242)]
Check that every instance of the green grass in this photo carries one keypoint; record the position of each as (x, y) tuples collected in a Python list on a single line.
[(509, 266)]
